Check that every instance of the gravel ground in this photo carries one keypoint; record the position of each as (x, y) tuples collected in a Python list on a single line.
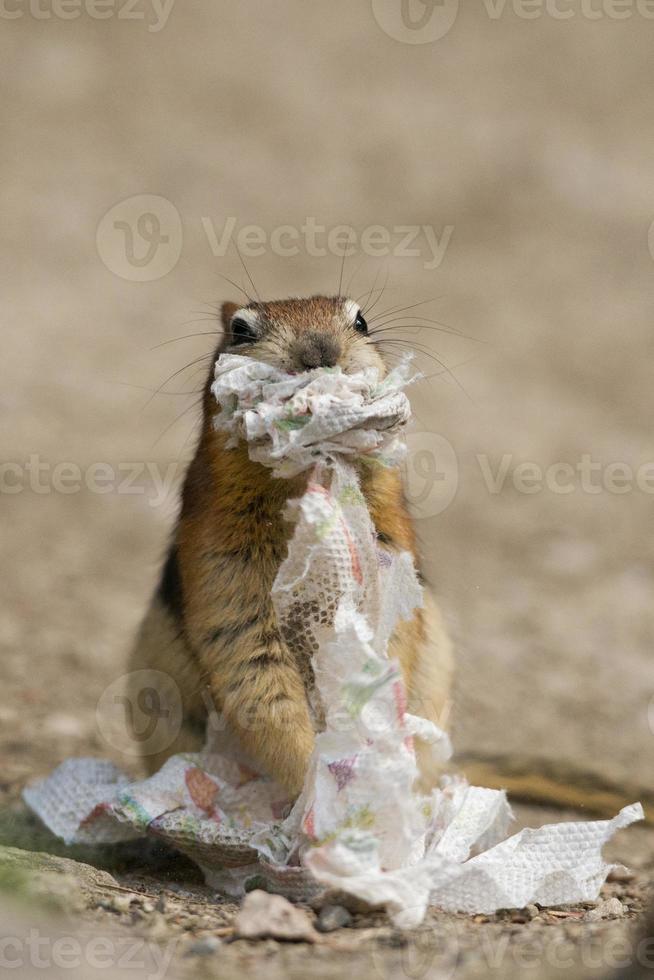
[(160, 902)]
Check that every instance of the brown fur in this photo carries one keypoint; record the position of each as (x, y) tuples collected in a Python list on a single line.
[(212, 625)]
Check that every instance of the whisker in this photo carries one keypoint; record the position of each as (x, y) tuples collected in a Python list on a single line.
[(418, 348), (407, 345), (236, 286), (428, 353), (188, 336), (459, 364), (181, 415), (213, 305), (413, 306), (247, 273), (357, 270), (367, 294), (190, 433), (153, 391), (444, 328), (380, 293), (386, 286), (197, 360), (340, 277)]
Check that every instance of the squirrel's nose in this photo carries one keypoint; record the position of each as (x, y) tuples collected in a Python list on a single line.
[(318, 350)]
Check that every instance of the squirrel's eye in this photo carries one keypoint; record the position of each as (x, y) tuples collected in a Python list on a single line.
[(360, 324), (242, 332)]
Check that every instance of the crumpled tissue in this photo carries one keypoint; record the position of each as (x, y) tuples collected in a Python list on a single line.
[(358, 826)]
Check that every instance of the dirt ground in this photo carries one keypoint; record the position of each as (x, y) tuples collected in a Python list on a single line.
[(531, 139), (158, 916)]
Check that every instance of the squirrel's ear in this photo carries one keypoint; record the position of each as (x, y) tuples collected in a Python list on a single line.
[(227, 311)]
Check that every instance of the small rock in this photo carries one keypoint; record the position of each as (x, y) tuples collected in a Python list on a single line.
[(611, 909), (334, 896), (621, 874), (264, 916), (203, 947), (394, 938), (48, 880), (162, 904), (532, 911), (121, 903), (333, 917), (34, 861)]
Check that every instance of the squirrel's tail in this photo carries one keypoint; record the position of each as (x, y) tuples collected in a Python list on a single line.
[(549, 783)]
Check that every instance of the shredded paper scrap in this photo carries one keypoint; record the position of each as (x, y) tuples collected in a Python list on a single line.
[(358, 827)]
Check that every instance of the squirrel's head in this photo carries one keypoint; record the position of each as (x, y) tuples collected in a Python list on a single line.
[(296, 335)]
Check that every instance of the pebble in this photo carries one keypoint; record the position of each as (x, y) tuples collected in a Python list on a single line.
[(395, 939), (203, 947), (121, 903), (265, 916), (611, 909), (333, 917), (621, 874)]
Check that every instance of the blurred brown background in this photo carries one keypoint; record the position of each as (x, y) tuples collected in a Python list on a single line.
[(530, 138)]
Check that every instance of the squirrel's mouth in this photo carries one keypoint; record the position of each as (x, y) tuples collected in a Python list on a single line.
[(350, 361)]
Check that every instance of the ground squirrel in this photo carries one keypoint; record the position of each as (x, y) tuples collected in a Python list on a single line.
[(211, 624)]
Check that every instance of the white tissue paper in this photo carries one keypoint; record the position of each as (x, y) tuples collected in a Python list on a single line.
[(358, 826)]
